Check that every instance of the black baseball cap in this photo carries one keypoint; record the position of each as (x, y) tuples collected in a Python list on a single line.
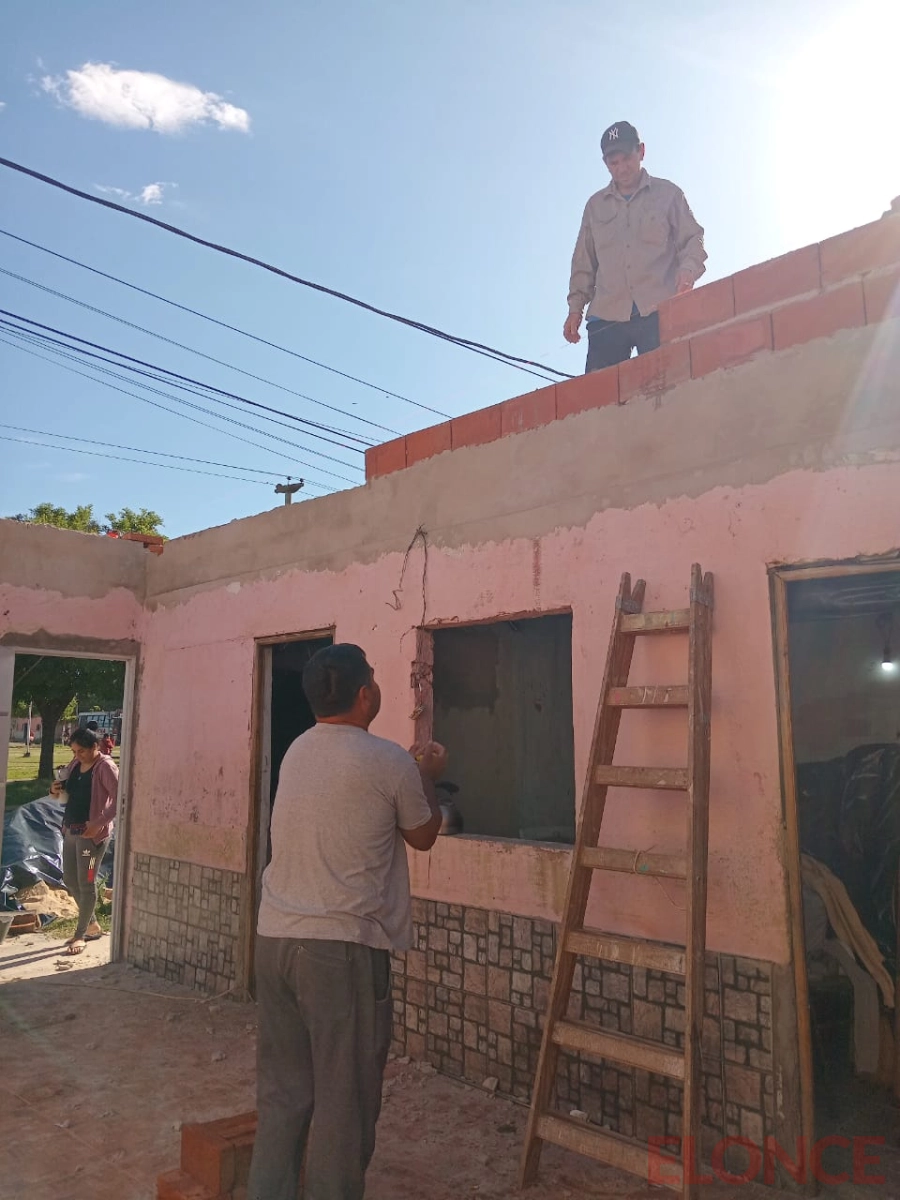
[(620, 136)]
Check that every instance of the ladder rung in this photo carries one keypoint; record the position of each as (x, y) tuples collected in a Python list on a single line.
[(620, 1048), (678, 620), (649, 697), (634, 862), (604, 1147), (673, 779), (655, 956)]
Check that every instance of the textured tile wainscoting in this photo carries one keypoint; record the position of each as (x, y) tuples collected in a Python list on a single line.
[(470, 998), (185, 922)]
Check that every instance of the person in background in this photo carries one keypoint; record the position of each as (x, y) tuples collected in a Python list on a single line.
[(107, 743), (91, 784), (335, 902), (638, 245)]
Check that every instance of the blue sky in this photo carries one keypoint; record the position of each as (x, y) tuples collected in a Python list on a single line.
[(432, 159)]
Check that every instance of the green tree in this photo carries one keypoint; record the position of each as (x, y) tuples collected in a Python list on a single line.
[(127, 520), (53, 683), (80, 518)]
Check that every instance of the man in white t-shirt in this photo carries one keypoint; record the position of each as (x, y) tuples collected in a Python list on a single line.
[(335, 902)]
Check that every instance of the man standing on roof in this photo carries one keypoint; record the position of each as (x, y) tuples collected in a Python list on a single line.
[(638, 245)]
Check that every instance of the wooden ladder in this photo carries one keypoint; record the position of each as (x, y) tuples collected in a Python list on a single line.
[(545, 1124)]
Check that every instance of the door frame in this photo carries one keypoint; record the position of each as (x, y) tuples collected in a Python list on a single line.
[(8, 654), (259, 807), (780, 578)]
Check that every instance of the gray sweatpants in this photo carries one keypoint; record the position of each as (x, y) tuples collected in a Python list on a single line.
[(324, 1035), (81, 862)]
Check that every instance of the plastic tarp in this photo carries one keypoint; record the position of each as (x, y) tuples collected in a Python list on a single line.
[(849, 812), (32, 848)]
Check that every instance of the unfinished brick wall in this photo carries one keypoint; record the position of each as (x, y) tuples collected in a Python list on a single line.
[(185, 922), (845, 282), (470, 998)]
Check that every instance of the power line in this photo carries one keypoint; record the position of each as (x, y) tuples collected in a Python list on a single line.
[(178, 400), (68, 437), (60, 348), (142, 461), (77, 354), (173, 378), (510, 360), (225, 325), (192, 350)]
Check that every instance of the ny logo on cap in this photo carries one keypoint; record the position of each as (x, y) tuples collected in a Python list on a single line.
[(613, 134)]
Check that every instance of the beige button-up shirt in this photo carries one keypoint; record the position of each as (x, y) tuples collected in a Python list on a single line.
[(630, 252)]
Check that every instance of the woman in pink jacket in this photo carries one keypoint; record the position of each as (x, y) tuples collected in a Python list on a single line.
[(91, 788)]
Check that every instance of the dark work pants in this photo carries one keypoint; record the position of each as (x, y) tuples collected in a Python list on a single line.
[(81, 861), (324, 1034), (611, 342)]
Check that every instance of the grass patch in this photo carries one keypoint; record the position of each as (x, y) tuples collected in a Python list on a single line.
[(22, 783), (65, 927)]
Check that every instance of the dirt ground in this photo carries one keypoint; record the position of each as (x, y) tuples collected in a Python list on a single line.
[(101, 1064)]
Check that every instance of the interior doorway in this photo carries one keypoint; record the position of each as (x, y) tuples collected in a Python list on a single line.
[(45, 695), (839, 684), (284, 714)]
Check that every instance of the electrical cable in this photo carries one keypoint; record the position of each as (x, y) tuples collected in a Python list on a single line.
[(68, 437), (53, 346), (187, 403), (142, 461), (192, 350), (195, 420), (59, 348), (511, 360), (195, 312), (173, 377)]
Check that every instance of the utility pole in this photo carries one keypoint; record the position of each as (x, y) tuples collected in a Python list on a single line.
[(288, 489)]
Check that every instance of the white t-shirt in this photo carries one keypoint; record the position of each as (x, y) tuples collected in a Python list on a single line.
[(339, 869)]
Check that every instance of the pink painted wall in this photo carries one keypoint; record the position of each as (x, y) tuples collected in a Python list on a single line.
[(114, 616), (192, 773), (59, 583)]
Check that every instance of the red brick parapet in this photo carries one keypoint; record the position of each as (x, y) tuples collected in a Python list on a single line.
[(153, 542), (845, 282)]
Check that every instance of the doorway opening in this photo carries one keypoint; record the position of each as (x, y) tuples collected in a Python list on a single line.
[(840, 686), (284, 715), (48, 696), (502, 702)]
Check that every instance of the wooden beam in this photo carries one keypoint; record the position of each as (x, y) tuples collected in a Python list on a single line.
[(634, 862), (794, 897), (673, 621)]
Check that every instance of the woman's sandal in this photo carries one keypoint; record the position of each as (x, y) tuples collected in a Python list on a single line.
[(88, 937), (75, 946)]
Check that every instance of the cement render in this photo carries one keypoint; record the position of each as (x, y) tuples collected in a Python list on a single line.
[(825, 404), (70, 563)]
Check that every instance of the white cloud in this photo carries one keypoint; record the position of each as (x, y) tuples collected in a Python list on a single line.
[(2, 105), (151, 193), (142, 100)]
